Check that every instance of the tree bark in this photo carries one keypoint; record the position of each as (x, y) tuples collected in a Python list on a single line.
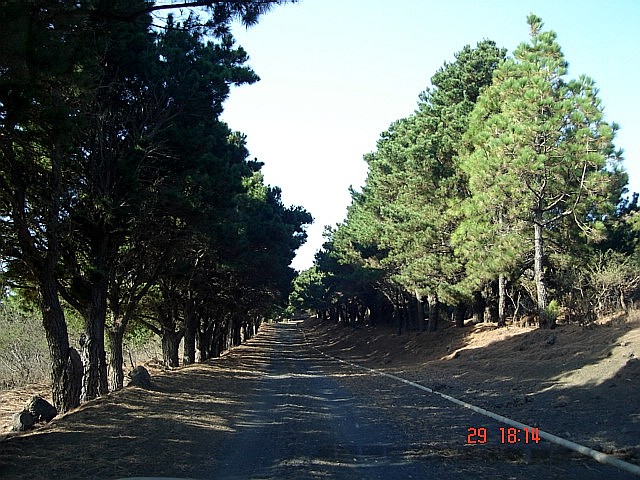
[(434, 312), (66, 366), (256, 326), (420, 311), (190, 328), (235, 332), (170, 343), (94, 357), (204, 340), (538, 267), (491, 304), (247, 331), (459, 314), (478, 307), (116, 359), (412, 312), (217, 346), (502, 300), (342, 316), (397, 316), (502, 285)]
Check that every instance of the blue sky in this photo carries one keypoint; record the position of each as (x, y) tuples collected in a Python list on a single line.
[(336, 73)]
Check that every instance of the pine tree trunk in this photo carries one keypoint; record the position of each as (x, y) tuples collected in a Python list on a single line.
[(235, 332), (459, 313), (66, 366), (94, 357), (342, 316), (204, 342), (217, 344), (170, 344), (478, 307), (538, 267), (116, 359), (412, 312), (502, 300), (420, 311), (434, 312), (405, 312), (502, 285), (190, 327), (247, 331), (397, 316), (491, 308), (372, 314)]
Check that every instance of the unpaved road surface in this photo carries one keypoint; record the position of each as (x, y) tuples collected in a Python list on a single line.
[(276, 408)]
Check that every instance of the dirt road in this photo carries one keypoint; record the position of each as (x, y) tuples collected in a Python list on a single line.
[(276, 408)]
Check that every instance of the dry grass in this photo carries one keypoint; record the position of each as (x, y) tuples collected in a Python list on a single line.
[(185, 416)]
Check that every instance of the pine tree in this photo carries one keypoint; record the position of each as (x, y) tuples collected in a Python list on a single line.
[(540, 158), (416, 177)]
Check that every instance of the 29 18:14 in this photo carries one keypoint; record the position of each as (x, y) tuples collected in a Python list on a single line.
[(478, 435)]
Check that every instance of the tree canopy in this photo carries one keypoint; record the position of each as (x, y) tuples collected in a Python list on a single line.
[(123, 194), (501, 185)]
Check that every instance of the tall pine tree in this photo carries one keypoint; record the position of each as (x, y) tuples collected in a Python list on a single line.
[(540, 159), (415, 180)]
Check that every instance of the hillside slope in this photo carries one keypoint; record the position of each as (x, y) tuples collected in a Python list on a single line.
[(577, 382)]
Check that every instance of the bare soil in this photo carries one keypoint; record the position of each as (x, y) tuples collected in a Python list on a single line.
[(579, 383)]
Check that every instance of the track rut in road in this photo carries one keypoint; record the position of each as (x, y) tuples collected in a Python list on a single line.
[(304, 424)]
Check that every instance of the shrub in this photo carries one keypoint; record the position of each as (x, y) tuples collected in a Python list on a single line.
[(615, 281), (550, 314), (24, 355)]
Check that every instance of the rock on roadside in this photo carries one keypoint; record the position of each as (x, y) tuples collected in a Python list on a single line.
[(140, 377), (41, 410), (36, 410), (22, 421)]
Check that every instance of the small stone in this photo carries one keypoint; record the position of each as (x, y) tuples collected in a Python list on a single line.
[(41, 410), (521, 400), (140, 377), (23, 421), (551, 339)]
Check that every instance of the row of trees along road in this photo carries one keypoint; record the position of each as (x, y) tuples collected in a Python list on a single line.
[(501, 195), (122, 194)]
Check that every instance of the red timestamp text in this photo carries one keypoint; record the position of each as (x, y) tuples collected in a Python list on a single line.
[(508, 435)]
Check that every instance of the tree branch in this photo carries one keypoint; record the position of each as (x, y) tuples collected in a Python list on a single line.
[(152, 7), (150, 326)]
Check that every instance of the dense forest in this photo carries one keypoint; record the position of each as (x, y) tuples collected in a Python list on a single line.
[(124, 199), (502, 198)]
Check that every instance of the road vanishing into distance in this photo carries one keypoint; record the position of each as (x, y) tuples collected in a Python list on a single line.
[(314, 417), (277, 408)]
